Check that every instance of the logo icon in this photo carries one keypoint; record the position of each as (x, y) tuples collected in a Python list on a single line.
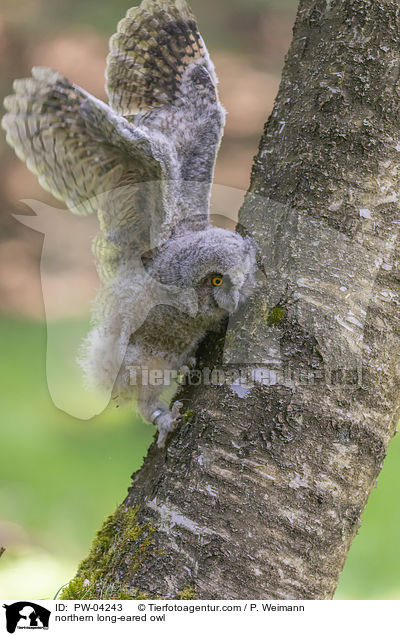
[(26, 615)]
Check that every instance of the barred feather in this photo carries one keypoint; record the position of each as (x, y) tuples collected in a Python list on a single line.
[(159, 74), (155, 43), (86, 155)]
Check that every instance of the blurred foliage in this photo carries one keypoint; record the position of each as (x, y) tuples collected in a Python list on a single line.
[(59, 476), (103, 15), (232, 24)]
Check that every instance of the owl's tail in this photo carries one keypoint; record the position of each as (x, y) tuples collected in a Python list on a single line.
[(154, 45)]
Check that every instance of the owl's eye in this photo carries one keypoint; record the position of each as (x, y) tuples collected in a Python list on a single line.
[(217, 281)]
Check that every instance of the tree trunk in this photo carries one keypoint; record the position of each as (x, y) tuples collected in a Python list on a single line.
[(261, 494)]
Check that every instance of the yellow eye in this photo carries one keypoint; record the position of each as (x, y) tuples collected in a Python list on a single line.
[(217, 281)]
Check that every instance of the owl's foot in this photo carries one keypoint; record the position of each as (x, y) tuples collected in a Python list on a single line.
[(166, 422)]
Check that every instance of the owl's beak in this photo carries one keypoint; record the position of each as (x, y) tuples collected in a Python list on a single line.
[(229, 302)]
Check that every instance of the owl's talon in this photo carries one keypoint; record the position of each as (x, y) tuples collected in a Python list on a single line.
[(176, 408), (167, 422)]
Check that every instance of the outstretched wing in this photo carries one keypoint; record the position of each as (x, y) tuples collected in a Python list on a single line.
[(159, 74), (87, 155), (146, 163)]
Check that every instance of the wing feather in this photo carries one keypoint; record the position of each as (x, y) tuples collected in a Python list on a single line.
[(90, 157), (159, 73), (153, 46), (145, 163)]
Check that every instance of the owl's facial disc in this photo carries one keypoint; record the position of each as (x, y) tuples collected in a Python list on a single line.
[(230, 288), (225, 295)]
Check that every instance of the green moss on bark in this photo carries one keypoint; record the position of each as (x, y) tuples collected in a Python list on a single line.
[(276, 316), (187, 593), (121, 540)]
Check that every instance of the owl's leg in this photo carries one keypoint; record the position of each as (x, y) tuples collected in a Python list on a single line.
[(135, 377), (157, 412), (166, 422)]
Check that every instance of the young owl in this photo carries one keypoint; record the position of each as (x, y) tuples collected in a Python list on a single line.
[(144, 163)]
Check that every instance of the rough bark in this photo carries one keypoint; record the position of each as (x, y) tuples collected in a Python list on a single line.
[(261, 494)]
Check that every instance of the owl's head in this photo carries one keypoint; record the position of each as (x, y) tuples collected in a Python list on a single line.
[(225, 273), (219, 264)]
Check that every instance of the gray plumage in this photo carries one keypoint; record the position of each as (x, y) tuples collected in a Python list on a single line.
[(145, 165)]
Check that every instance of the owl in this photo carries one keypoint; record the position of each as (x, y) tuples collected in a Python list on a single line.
[(144, 164)]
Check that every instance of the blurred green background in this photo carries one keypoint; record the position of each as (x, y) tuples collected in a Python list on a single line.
[(59, 477)]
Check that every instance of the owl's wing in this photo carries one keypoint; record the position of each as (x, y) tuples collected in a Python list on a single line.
[(159, 74), (146, 163), (92, 158)]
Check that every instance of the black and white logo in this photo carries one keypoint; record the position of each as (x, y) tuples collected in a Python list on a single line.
[(26, 615)]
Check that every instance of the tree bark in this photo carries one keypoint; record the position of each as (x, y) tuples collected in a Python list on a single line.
[(261, 494)]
